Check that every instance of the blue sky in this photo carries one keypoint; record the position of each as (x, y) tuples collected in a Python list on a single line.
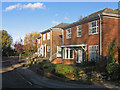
[(22, 18)]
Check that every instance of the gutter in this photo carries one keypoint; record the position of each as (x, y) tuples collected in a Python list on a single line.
[(50, 43), (100, 36)]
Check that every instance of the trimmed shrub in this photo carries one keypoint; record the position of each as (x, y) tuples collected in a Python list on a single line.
[(113, 70), (47, 67)]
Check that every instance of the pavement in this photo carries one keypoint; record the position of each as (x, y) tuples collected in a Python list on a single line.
[(36, 79)]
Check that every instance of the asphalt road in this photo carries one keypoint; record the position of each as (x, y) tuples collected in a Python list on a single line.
[(11, 78)]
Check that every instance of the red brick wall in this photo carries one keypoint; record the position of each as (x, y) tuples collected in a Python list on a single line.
[(57, 61), (109, 32), (56, 40)]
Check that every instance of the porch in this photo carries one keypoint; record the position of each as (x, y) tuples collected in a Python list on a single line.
[(73, 53)]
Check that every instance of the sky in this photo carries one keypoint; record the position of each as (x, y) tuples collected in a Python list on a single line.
[(21, 18)]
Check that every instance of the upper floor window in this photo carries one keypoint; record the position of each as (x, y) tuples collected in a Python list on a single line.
[(93, 27), (68, 33), (48, 35), (44, 36), (38, 41), (79, 31)]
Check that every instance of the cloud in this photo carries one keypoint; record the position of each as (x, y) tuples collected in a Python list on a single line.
[(55, 22), (56, 14), (66, 18), (35, 5), (29, 5), (13, 7)]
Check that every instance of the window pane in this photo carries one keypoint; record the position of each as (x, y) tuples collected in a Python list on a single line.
[(71, 53), (67, 53), (94, 24)]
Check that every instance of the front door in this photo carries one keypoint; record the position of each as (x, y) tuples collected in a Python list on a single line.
[(79, 56)]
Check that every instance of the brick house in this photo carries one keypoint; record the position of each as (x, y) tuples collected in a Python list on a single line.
[(90, 35), (49, 40)]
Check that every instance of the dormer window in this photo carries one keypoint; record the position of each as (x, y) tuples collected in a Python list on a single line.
[(93, 27), (68, 33)]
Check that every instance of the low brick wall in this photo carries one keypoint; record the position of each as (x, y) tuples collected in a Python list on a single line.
[(66, 61)]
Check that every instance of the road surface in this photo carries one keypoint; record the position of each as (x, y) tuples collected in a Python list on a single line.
[(11, 78)]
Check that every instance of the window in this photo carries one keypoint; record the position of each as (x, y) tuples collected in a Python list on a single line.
[(38, 41), (48, 48), (59, 51), (93, 52), (79, 31), (71, 53), (48, 35), (93, 27), (44, 36), (68, 33), (68, 53)]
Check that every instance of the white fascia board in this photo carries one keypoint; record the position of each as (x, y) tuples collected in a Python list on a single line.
[(77, 45), (56, 28), (110, 14)]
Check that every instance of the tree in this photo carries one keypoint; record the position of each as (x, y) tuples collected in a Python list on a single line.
[(117, 9), (6, 42), (112, 51), (30, 44), (19, 48)]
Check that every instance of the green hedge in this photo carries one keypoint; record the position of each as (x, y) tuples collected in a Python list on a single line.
[(113, 70)]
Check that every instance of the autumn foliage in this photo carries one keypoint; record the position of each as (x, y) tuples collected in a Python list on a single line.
[(30, 43)]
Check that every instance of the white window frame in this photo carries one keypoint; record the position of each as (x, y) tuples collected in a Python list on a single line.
[(48, 36), (91, 28), (79, 30), (44, 37), (38, 41), (93, 52), (48, 48), (65, 53), (59, 49), (69, 35)]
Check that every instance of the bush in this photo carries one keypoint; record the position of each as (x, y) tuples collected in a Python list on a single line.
[(86, 63), (64, 69), (47, 67), (113, 70), (26, 65)]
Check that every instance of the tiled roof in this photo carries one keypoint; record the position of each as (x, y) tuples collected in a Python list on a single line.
[(61, 25), (92, 16)]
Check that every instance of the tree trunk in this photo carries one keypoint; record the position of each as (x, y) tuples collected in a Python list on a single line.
[(20, 57)]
